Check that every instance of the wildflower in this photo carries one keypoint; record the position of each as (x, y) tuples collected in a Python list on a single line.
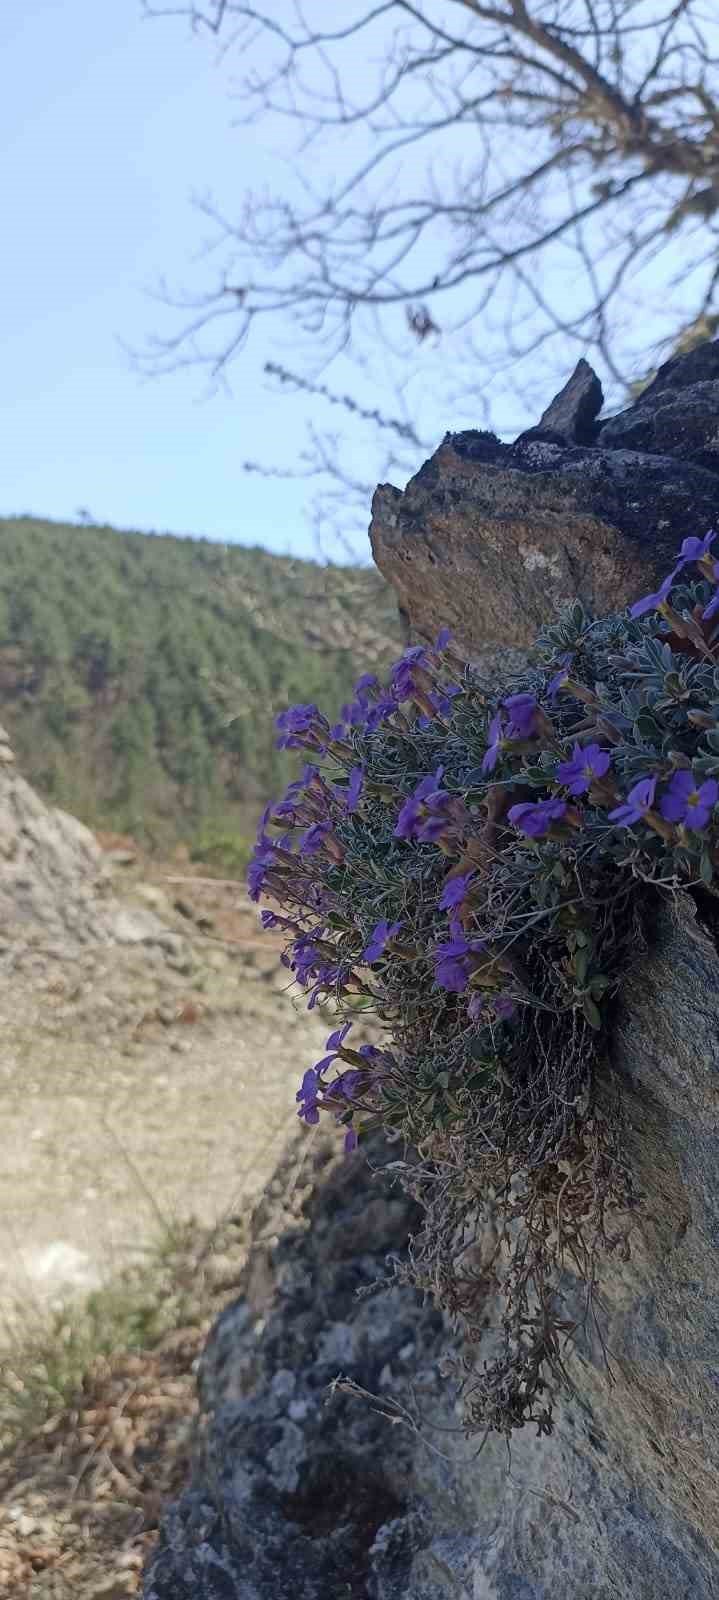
[(379, 712), (454, 891), (337, 1038), (411, 811), (349, 796), (402, 680), (379, 937), (351, 1141), (313, 839), (560, 677), (522, 710), (363, 685), (262, 859), (713, 605), (455, 962), (443, 638), (684, 802), (652, 602), (639, 800), (535, 817), (496, 736), (298, 724), (307, 1096), (693, 549), (585, 767), (504, 1007), (431, 828)]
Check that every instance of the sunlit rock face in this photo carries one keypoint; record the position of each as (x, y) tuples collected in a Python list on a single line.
[(494, 538)]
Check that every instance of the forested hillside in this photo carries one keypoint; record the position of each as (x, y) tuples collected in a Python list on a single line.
[(139, 674)]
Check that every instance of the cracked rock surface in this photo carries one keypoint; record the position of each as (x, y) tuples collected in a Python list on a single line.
[(492, 539)]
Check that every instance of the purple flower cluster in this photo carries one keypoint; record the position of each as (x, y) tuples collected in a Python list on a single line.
[(638, 802), (301, 727), (427, 813)]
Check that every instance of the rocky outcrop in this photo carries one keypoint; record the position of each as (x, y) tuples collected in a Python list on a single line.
[(300, 1493), (493, 538), (303, 1491), (54, 881)]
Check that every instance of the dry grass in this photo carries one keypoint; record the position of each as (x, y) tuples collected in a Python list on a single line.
[(97, 1416)]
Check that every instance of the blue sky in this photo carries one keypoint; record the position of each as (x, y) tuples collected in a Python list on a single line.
[(107, 125)]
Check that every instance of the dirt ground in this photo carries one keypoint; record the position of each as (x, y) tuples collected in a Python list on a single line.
[(139, 1088), (137, 1091)]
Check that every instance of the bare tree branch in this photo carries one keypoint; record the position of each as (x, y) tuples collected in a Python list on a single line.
[(571, 171)]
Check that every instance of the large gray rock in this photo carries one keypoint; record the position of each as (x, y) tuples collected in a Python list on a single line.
[(493, 538), (298, 1495)]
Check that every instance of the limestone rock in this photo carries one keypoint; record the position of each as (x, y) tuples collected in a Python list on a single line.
[(300, 1495), (571, 416), (492, 539)]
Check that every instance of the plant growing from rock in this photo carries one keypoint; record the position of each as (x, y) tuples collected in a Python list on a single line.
[(474, 864)]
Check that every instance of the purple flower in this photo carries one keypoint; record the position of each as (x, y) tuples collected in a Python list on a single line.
[(476, 1006), (496, 735), (296, 724), (713, 605), (443, 638), (504, 1007), (693, 549), (262, 859), (586, 765), (454, 891), (349, 796), (345, 1085), (351, 1141), (522, 710), (336, 1039), (684, 802), (307, 1096), (411, 811), (651, 602), (363, 685), (455, 962), (353, 714), (314, 838), (558, 681), (402, 684), (639, 800), (379, 712), (379, 937), (535, 817)]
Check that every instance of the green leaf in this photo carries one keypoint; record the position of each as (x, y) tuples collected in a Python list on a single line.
[(591, 1012), (581, 963)]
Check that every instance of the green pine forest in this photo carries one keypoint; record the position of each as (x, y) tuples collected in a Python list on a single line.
[(139, 674)]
